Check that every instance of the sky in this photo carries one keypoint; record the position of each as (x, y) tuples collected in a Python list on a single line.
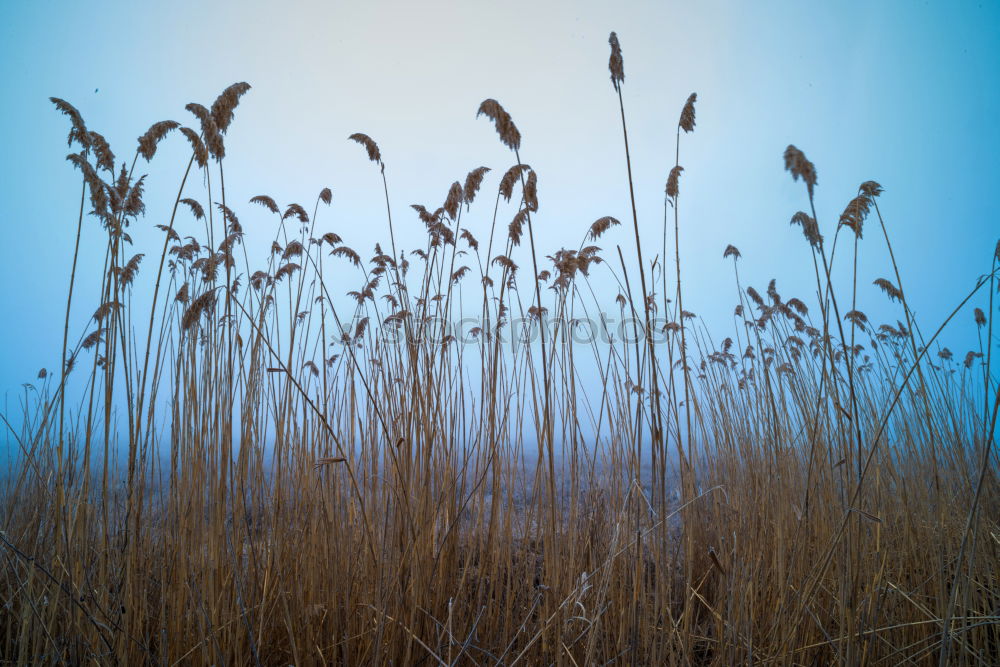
[(905, 93)]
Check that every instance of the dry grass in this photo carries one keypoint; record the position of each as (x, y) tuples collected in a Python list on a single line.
[(260, 471)]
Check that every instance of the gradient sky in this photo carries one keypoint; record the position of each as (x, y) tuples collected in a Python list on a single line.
[(905, 93)]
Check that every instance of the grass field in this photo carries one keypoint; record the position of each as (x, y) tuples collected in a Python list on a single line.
[(239, 463)]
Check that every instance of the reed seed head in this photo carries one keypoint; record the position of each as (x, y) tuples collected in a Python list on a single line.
[(196, 209), (809, 228), (453, 200), (225, 104), (855, 213), (374, 154), (473, 181), (509, 134), (673, 182), (209, 130), (616, 64), (153, 136), (601, 225), (686, 121), (197, 146), (870, 189), (890, 290), (510, 178), (78, 129), (266, 202), (800, 167)]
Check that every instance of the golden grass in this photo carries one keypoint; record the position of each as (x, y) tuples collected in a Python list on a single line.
[(260, 472)]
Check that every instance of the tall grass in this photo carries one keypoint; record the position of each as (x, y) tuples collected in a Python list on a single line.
[(263, 470)]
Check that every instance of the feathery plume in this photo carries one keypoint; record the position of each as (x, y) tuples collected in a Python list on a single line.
[(686, 121), (890, 290), (510, 178), (296, 211), (516, 227), (197, 146), (509, 135), (198, 307), (374, 154), (154, 135), (93, 338), (453, 200), (470, 239), (331, 238), (196, 209), (78, 129), (226, 103), (600, 226), (672, 182), (344, 251), (855, 213), (209, 130), (473, 181), (506, 263), (266, 202), (857, 318), (800, 167), (616, 64), (870, 189), (797, 304), (286, 270), (809, 228), (102, 151)]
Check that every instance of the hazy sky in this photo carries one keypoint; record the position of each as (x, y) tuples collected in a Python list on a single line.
[(905, 93)]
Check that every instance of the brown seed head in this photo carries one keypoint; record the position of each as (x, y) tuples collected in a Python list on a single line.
[(154, 135), (890, 290), (809, 228), (796, 162), (473, 181), (266, 202), (602, 225), (855, 213), (870, 189), (510, 179), (197, 146), (209, 130), (78, 129), (616, 64), (672, 182), (374, 154), (509, 135), (225, 104), (453, 200), (686, 122)]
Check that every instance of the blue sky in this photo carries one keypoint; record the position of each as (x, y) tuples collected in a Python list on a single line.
[(904, 93)]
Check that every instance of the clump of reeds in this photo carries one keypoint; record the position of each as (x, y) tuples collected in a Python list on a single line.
[(293, 459)]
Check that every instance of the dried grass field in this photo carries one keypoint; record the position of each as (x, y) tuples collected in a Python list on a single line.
[(295, 458)]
